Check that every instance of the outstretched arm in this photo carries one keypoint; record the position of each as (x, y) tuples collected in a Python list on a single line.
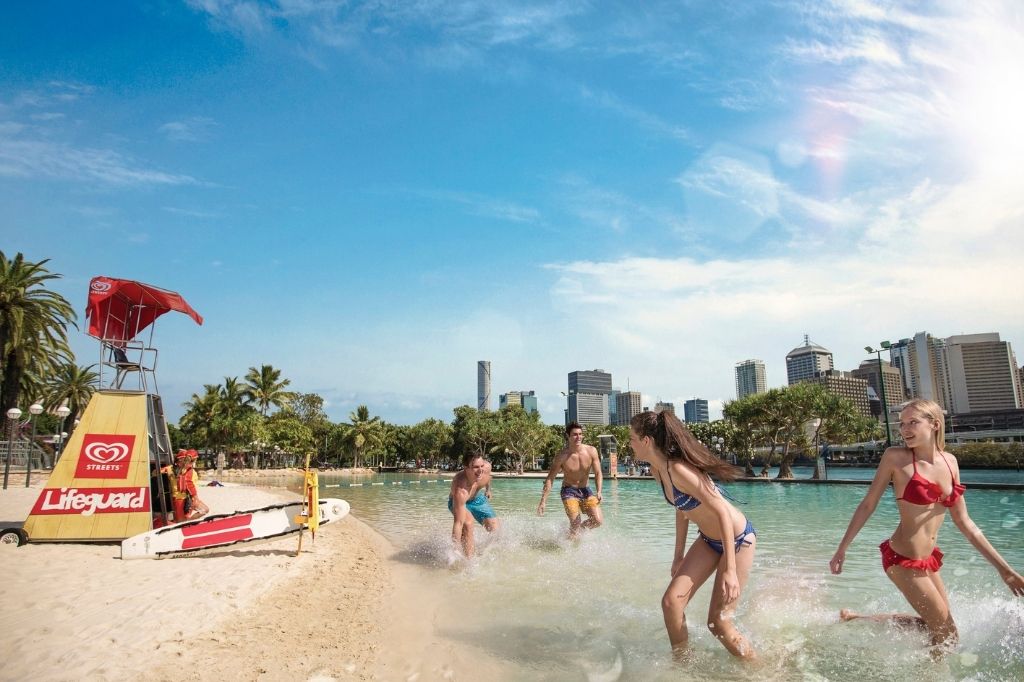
[(462, 525), (553, 470), (865, 509), (970, 530)]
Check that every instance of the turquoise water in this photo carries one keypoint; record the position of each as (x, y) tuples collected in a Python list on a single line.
[(590, 611)]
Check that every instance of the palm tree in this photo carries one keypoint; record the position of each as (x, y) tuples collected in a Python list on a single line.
[(219, 418), (33, 326), (72, 385), (363, 431), (265, 387)]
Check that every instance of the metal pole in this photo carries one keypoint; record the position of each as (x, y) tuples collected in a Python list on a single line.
[(28, 459), (7, 462), (885, 406)]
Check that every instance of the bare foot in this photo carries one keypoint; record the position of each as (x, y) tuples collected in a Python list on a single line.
[(847, 614)]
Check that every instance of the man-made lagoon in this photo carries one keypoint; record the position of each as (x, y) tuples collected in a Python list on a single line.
[(590, 610)]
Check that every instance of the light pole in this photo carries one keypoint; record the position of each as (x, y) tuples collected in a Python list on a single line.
[(884, 345), (63, 443), (820, 472), (13, 415), (35, 410)]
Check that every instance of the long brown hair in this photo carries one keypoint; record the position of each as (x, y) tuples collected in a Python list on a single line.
[(677, 442)]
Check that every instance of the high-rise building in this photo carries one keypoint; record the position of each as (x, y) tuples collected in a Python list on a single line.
[(627, 406), (695, 410), (982, 374), (750, 378), (665, 407), (483, 385), (613, 406), (530, 402), (525, 399), (804, 362), (922, 361), (588, 396), (868, 371), (846, 385), (509, 399), (588, 408)]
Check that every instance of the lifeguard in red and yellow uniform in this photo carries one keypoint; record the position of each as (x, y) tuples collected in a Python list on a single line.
[(187, 483)]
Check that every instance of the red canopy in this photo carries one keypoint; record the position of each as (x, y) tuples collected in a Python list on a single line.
[(119, 309)]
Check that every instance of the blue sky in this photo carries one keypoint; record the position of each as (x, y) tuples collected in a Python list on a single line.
[(374, 196)]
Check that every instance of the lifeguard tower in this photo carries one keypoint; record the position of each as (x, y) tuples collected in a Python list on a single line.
[(106, 485)]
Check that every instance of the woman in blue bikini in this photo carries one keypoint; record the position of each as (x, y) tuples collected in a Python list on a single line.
[(725, 541)]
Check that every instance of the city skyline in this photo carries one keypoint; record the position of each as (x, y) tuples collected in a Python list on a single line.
[(370, 198)]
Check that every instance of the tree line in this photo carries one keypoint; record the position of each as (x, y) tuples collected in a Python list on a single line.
[(260, 419)]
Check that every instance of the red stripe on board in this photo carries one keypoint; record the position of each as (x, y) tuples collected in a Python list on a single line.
[(216, 525), (217, 539)]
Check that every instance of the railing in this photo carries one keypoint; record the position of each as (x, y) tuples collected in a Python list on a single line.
[(19, 451)]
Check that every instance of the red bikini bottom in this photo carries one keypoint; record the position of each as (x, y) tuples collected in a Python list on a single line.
[(891, 557)]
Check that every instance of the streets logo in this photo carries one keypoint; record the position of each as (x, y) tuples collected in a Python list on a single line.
[(104, 456)]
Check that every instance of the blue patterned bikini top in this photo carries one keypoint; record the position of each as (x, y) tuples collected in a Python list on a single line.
[(684, 501)]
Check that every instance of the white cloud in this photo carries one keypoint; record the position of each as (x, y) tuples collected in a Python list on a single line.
[(192, 129), (42, 158), (943, 259), (345, 25), (489, 207), (190, 212), (645, 119)]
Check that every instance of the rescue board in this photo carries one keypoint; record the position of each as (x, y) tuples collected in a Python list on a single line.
[(228, 530)]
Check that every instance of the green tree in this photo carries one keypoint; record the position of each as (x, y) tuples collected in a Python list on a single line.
[(220, 419), (309, 407), (519, 434), (289, 435), (73, 386), (428, 441), (475, 431), (265, 388), (33, 327), (363, 432), (748, 429)]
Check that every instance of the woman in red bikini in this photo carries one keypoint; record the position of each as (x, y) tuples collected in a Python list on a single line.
[(927, 483)]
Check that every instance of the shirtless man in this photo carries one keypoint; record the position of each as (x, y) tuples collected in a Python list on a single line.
[(470, 499), (576, 461)]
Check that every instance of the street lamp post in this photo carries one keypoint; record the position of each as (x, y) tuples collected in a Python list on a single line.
[(884, 345), (820, 470), (35, 410), (13, 415), (61, 444), (63, 411)]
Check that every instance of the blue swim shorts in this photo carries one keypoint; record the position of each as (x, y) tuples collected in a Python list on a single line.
[(479, 507)]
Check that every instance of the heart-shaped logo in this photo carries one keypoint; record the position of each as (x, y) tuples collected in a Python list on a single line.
[(106, 453), (100, 286)]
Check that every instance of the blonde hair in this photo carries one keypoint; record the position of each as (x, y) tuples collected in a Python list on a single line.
[(931, 410)]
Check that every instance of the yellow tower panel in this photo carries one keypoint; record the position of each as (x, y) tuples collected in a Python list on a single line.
[(100, 488)]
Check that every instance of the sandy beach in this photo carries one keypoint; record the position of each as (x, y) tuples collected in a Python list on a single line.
[(345, 609)]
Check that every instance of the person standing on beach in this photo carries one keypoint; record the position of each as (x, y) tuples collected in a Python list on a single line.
[(469, 500), (576, 461), (926, 481), (186, 484), (725, 541)]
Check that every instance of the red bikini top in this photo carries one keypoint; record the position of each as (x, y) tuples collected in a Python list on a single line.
[(922, 491)]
